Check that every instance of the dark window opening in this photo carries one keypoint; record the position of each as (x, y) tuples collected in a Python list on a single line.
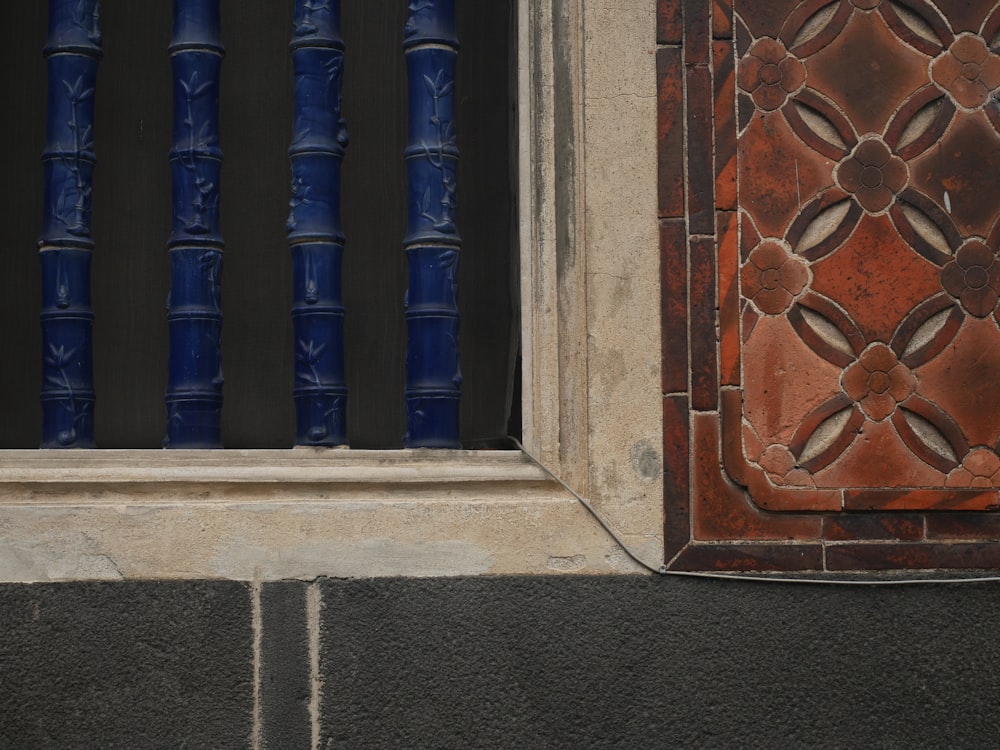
[(131, 222)]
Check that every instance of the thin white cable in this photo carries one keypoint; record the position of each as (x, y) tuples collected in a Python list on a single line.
[(761, 578)]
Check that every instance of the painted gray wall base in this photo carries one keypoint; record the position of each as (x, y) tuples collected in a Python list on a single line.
[(526, 662), (651, 663), (125, 665)]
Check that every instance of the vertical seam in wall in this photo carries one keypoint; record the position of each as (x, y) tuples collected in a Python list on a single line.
[(314, 603), (256, 626)]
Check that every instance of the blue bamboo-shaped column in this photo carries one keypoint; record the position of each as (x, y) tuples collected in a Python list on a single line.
[(315, 237), (432, 243), (194, 315), (72, 54)]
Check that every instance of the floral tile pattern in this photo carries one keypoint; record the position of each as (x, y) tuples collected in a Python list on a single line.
[(852, 362)]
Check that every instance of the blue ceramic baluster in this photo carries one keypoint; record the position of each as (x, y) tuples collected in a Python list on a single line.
[(319, 138), (194, 384), (432, 243), (72, 52)]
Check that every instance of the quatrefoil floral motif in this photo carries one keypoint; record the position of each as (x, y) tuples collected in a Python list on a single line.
[(873, 174), (878, 381), (769, 74), (973, 278), (772, 277), (968, 71)]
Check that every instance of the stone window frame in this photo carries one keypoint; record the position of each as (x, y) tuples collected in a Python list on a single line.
[(591, 403)]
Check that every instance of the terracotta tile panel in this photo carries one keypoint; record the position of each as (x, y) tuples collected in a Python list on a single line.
[(702, 321), (669, 22), (850, 150), (676, 474), (673, 282), (873, 526), (700, 163), (670, 131)]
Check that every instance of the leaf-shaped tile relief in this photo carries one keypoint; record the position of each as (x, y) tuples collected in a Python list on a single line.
[(820, 125), (917, 23), (925, 227), (826, 432), (920, 122), (927, 330), (813, 25), (930, 433), (826, 329), (824, 224)]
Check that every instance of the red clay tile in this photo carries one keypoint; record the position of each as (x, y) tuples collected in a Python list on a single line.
[(676, 474), (720, 508), (725, 126), (940, 35), (700, 139), (846, 527), (912, 556), (729, 299), (791, 31), (962, 14), (784, 380), (867, 72), (949, 526), (876, 278), (878, 458), (764, 19), (943, 111), (749, 236), (942, 233), (778, 173), (722, 19), (669, 22), (920, 500), (963, 165), (962, 381), (670, 132), (702, 321), (750, 557), (697, 31), (673, 285)]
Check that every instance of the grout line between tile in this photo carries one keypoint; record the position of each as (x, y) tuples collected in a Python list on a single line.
[(314, 604), (256, 623)]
